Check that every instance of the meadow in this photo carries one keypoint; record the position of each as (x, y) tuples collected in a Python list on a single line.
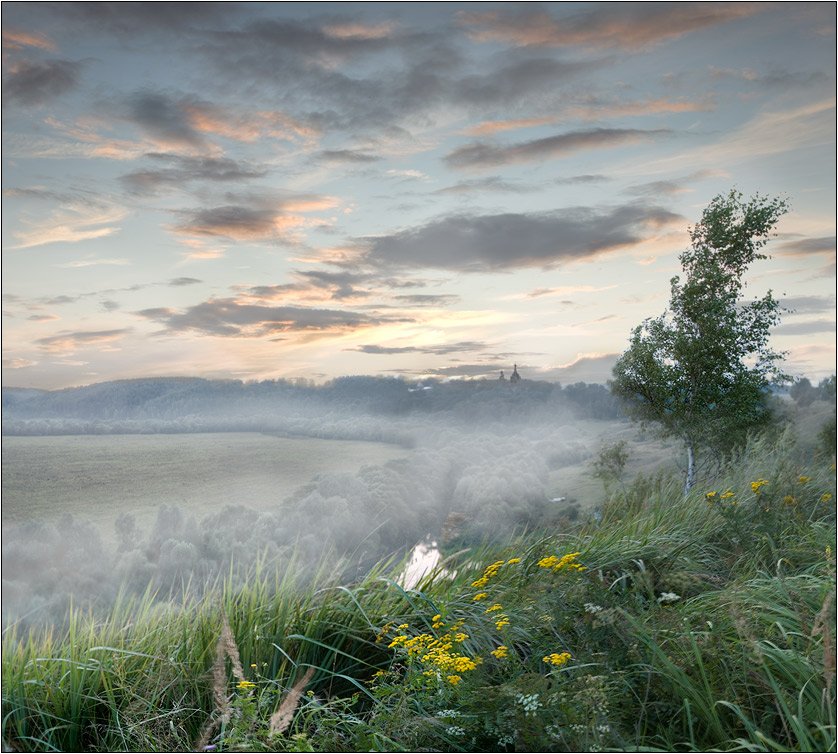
[(99, 477), (666, 624)]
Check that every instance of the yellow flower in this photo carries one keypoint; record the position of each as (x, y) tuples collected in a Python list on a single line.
[(253, 665), (711, 496), (727, 494), (460, 638), (403, 626), (479, 596), (494, 608), (566, 561), (790, 500), (513, 561), (501, 652), (557, 659), (803, 479), (245, 685), (757, 486), (501, 622), (454, 679), (826, 497)]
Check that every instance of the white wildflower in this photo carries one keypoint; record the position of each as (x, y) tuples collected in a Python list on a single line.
[(668, 597)]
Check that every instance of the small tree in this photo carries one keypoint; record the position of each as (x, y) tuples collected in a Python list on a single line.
[(703, 368)]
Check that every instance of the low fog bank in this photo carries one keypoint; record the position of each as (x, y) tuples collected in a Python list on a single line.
[(357, 408), (480, 467)]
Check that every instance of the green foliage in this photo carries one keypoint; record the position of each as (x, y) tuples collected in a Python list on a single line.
[(702, 369), (610, 465)]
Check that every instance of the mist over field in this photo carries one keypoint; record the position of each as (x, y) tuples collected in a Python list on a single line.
[(167, 483)]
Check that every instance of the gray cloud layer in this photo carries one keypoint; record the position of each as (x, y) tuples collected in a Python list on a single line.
[(180, 170), (494, 242), (229, 318), (483, 154), (31, 83)]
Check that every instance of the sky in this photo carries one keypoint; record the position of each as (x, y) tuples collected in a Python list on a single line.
[(310, 190)]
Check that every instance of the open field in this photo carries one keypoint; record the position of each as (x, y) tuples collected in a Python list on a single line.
[(98, 477)]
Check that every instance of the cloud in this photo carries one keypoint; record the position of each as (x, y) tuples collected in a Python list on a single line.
[(577, 179), (491, 183), (77, 220), (630, 26), (182, 170), (428, 299), (586, 367), (805, 328), (139, 18), (355, 30), (438, 350), (809, 304), (93, 262), (490, 127), (477, 243), (615, 109), (34, 83), (177, 282), (9, 363), (16, 40), (483, 154), (164, 119), (347, 157), (565, 290), (773, 79), (229, 318), (806, 246), (68, 342), (256, 217)]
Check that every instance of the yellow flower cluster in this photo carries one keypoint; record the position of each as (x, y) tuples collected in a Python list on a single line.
[(501, 622), (757, 486), (494, 608), (565, 562), (244, 685), (489, 573), (803, 479), (501, 652), (557, 659), (826, 497), (437, 652)]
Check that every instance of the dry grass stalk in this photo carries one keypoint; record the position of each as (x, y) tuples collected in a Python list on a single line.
[(824, 621), (281, 719), (231, 648), (225, 647)]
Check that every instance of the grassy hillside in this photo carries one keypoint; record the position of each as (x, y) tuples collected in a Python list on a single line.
[(672, 624)]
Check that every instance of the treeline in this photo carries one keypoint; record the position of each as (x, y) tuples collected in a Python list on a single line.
[(193, 404)]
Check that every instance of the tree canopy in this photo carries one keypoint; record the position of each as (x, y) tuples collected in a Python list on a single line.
[(702, 370)]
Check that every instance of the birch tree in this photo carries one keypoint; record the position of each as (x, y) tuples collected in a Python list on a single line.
[(702, 370)]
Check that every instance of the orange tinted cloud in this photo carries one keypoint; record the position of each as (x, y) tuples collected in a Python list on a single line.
[(359, 31), (626, 25), (496, 126), (247, 127), (15, 40), (641, 107)]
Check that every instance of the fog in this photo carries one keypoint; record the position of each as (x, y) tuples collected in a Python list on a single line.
[(476, 461)]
